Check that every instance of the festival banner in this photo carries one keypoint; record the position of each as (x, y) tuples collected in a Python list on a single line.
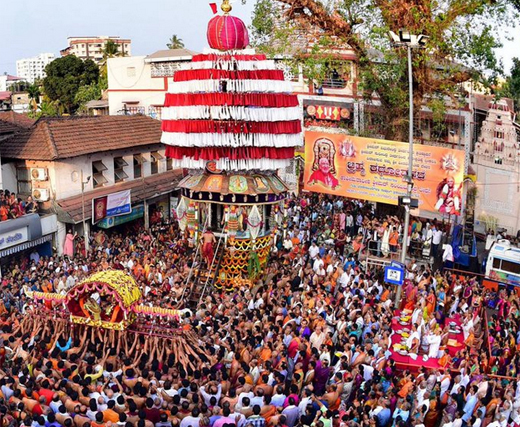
[(374, 169), (114, 204)]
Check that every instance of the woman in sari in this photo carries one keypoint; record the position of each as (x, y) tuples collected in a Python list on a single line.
[(430, 303), (321, 375), (411, 294), (432, 416), (357, 244)]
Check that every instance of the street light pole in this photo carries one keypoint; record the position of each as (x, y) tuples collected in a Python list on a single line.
[(409, 183), (85, 233), (404, 38)]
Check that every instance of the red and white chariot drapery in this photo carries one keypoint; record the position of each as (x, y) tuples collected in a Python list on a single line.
[(233, 108)]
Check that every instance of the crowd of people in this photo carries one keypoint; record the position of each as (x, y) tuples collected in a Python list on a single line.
[(310, 344), (12, 207)]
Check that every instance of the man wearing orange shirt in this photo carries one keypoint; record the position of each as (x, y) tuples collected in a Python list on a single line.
[(110, 414)]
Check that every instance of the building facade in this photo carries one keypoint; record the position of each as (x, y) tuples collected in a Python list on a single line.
[(91, 47), (65, 163), (32, 69), (7, 81), (138, 84)]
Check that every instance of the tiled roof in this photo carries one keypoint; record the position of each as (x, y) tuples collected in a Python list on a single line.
[(70, 209), (65, 137), (482, 102), (11, 122)]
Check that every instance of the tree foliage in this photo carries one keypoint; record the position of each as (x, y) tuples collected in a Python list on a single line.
[(85, 94), (20, 86), (64, 78), (462, 39), (511, 87), (175, 42), (111, 50)]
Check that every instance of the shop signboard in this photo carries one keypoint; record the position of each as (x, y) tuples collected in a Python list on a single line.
[(14, 237), (111, 205), (112, 221)]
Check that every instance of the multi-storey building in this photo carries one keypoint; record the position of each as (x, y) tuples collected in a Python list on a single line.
[(64, 163), (91, 47), (31, 69), (138, 85)]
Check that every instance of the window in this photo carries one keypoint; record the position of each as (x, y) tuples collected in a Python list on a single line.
[(119, 172), (23, 176), (97, 173), (169, 164), (510, 267), (499, 134), (138, 165), (156, 158)]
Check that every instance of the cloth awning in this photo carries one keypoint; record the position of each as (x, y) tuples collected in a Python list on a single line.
[(26, 245)]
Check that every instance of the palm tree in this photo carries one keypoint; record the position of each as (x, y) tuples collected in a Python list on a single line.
[(34, 95), (111, 49), (175, 43)]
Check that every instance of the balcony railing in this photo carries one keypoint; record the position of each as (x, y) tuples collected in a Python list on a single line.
[(164, 69), (153, 111)]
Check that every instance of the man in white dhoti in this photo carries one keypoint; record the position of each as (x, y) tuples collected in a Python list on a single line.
[(434, 339), (414, 340)]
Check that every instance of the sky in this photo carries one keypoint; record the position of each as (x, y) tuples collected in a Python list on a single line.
[(31, 27)]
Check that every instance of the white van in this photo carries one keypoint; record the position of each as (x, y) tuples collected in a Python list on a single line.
[(503, 263)]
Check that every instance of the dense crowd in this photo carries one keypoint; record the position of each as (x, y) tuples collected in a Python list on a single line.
[(310, 344), (12, 207)]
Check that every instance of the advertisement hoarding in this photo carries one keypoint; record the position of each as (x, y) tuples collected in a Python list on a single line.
[(374, 169)]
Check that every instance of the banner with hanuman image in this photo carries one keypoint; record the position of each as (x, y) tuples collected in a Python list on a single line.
[(374, 169)]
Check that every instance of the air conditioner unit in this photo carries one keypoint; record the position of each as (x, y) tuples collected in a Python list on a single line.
[(39, 174), (40, 194)]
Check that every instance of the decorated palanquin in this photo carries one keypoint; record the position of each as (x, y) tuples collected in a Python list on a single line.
[(108, 299), (230, 118)]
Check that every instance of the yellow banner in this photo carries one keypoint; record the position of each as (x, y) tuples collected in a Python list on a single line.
[(374, 169)]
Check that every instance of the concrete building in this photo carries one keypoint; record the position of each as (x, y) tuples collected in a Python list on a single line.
[(31, 69), (7, 80), (138, 84), (64, 163), (29, 232), (91, 47), (10, 124)]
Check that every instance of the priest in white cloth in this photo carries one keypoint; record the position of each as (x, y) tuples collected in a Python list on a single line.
[(434, 339), (414, 340)]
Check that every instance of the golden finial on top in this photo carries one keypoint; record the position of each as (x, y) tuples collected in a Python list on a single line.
[(225, 6)]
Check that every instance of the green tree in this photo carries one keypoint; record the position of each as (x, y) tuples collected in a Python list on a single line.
[(463, 35), (175, 43), (34, 92), (20, 86), (85, 94), (111, 50), (64, 78), (511, 87)]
